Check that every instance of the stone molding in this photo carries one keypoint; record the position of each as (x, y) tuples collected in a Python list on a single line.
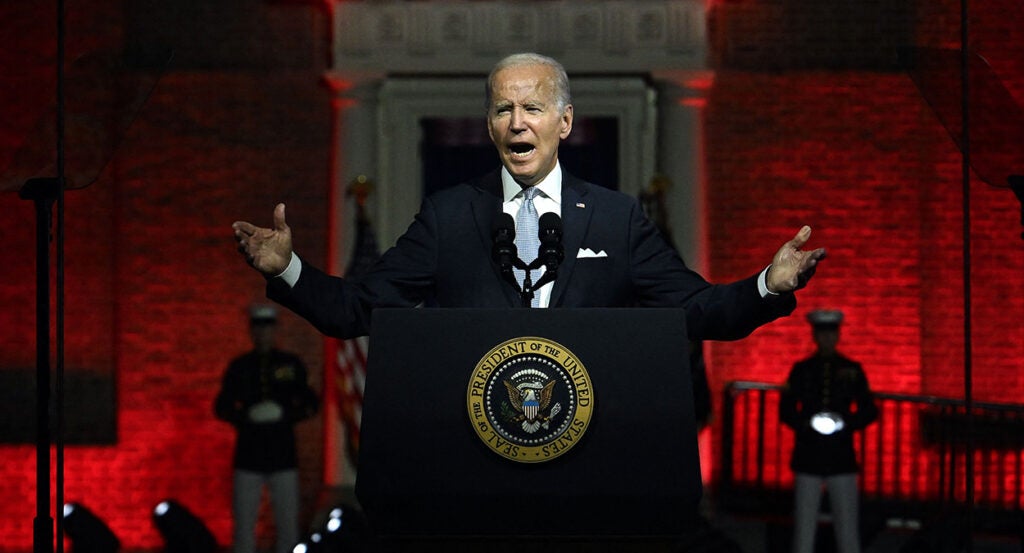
[(461, 36)]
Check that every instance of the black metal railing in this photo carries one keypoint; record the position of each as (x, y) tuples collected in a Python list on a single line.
[(914, 455)]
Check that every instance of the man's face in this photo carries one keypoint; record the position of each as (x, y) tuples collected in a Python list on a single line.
[(525, 123)]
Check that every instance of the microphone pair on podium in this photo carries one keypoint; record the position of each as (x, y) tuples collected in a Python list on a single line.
[(549, 255)]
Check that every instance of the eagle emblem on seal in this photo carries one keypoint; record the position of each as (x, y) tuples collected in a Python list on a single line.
[(531, 399)]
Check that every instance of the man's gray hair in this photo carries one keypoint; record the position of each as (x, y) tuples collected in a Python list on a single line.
[(561, 81)]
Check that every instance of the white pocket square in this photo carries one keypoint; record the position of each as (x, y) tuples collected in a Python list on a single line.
[(587, 252)]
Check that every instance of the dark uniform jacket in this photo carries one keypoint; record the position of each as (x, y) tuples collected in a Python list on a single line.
[(251, 379), (817, 384)]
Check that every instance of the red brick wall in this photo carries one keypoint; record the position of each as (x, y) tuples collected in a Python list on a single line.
[(861, 157), (156, 293), (774, 165), (155, 239)]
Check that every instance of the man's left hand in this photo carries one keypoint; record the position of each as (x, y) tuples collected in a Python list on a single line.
[(792, 267)]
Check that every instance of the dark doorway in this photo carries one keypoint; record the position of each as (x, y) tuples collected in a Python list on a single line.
[(455, 150)]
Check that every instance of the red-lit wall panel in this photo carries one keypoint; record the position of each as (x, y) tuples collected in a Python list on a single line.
[(156, 293)]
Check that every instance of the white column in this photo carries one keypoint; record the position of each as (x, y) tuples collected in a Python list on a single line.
[(353, 153), (353, 143), (681, 100)]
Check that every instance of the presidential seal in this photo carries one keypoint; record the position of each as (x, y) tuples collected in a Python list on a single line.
[(530, 399)]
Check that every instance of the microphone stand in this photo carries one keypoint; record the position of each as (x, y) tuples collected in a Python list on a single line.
[(526, 292), (549, 259), (550, 273), (46, 193), (528, 287)]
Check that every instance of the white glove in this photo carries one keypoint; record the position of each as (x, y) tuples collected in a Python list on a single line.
[(265, 411), (827, 422)]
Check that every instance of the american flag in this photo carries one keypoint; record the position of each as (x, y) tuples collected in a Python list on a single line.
[(350, 355)]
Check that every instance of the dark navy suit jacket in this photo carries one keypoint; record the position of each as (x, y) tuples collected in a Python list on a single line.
[(444, 260)]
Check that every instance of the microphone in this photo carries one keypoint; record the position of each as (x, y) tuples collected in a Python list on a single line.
[(503, 250), (551, 252)]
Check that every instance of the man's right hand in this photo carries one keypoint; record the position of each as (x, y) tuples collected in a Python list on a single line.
[(268, 250)]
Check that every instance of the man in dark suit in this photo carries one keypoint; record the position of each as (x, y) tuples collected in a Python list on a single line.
[(614, 256)]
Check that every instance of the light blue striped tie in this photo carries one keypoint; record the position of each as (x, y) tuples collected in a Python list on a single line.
[(527, 239)]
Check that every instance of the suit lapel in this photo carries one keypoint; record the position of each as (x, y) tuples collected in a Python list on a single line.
[(486, 206), (576, 215)]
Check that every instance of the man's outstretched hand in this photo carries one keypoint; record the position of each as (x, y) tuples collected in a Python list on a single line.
[(268, 250), (792, 267)]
